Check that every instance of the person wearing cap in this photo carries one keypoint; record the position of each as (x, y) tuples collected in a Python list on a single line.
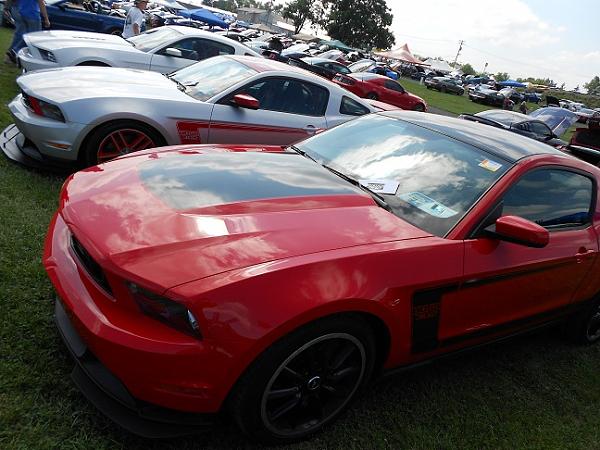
[(135, 19)]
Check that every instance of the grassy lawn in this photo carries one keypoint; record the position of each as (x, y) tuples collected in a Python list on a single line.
[(536, 392)]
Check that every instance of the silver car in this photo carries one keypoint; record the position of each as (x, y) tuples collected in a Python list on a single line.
[(87, 115), (163, 49)]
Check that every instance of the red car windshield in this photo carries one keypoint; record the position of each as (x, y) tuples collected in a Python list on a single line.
[(427, 178)]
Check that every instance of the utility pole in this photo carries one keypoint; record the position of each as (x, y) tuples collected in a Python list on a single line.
[(460, 44)]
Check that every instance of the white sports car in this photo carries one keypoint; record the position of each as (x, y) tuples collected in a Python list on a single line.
[(163, 49), (86, 115)]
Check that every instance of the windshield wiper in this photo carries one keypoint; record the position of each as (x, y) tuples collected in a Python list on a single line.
[(303, 153), (180, 85), (377, 197)]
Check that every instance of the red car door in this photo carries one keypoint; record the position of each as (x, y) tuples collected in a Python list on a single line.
[(510, 285)]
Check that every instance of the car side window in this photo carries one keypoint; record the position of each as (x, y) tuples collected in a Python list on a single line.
[(339, 68), (199, 49), (392, 85), (552, 198), (540, 129), (289, 96), (352, 108)]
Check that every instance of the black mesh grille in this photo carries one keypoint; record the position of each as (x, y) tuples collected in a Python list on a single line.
[(92, 267)]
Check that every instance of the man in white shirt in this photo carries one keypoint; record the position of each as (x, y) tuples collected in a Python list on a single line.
[(135, 19)]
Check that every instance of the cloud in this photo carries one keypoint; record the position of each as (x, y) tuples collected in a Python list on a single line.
[(509, 36)]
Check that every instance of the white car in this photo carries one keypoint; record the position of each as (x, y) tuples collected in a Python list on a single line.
[(86, 115), (163, 49)]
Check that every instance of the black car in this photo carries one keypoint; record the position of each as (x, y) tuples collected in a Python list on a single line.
[(542, 124), (321, 66), (445, 84), (484, 94)]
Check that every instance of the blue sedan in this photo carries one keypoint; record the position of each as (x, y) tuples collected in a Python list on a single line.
[(86, 16)]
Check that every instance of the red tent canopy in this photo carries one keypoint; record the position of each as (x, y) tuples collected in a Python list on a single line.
[(401, 53)]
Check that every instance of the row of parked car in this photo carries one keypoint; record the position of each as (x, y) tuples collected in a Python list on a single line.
[(260, 240)]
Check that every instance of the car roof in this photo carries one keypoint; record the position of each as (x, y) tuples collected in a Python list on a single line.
[(504, 144), (503, 116), (316, 59), (191, 31), (268, 65)]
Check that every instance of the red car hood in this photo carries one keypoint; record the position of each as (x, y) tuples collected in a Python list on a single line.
[(177, 215)]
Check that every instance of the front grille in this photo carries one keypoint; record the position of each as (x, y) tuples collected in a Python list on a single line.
[(90, 265)]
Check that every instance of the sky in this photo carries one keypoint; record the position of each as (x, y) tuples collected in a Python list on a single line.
[(552, 39)]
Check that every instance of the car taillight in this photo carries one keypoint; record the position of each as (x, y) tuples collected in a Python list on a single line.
[(344, 79), (165, 310), (42, 108)]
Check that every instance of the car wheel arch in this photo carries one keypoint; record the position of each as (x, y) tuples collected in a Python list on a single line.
[(125, 119), (380, 328)]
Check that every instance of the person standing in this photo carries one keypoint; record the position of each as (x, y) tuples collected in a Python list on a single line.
[(523, 107), (26, 14), (135, 19)]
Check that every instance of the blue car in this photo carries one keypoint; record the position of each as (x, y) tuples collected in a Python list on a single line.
[(85, 16)]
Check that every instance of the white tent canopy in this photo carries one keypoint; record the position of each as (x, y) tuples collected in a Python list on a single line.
[(439, 65)]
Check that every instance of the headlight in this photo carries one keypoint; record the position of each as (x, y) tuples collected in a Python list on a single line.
[(42, 108), (165, 310), (47, 55)]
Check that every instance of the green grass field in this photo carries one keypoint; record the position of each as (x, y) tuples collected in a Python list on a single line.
[(535, 392)]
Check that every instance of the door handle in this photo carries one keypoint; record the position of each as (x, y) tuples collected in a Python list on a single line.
[(583, 254), (311, 129)]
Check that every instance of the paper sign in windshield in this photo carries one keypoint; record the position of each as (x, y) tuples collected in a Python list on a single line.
[(490, 165), (428, 205), (381, 186)]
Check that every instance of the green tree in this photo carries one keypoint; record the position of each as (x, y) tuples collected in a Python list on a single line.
[(359, 23), (501, 76), (467, 69), (301, 11), (593, 87)]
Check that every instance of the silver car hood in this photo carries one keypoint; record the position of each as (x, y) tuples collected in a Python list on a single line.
[(61, 39), (77, 83)]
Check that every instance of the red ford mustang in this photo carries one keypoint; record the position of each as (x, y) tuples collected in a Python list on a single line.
[(379, 87), (274, 283)]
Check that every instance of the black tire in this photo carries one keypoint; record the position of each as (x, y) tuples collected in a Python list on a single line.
[(443, 89), (419, 107), (372, 96), (93, 63), (304, 381), (584, 327), (89, 152)]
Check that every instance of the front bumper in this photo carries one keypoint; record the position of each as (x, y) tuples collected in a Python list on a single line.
[(154, 363), (21, 150), (112, 398), (54, 139)]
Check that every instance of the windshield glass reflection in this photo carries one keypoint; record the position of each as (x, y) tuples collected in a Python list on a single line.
[(436, 179)]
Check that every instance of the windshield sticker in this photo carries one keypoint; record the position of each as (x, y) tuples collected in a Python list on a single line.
[(428, 205), (490, 165), (381, 186)]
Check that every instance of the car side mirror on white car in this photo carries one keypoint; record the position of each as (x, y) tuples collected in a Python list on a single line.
[(174, 52)]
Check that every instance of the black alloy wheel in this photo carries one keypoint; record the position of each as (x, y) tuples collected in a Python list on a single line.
[(313, 384), (304, 380)]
